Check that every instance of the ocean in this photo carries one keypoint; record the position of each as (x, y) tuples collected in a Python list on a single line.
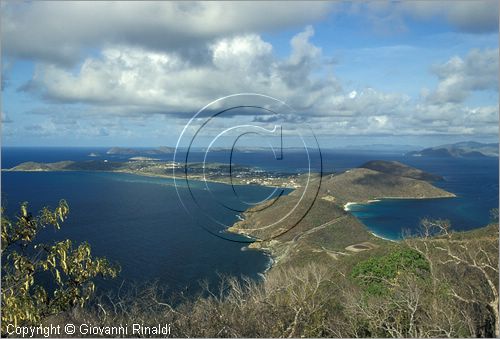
[(140, 223), (473, 180)]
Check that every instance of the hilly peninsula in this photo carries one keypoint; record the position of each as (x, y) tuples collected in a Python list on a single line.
[(151, 167), (324, 230)]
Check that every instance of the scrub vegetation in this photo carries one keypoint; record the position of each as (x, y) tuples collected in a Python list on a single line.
[(439, 284)]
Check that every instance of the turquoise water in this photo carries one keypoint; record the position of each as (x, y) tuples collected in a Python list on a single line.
[(474, 181)]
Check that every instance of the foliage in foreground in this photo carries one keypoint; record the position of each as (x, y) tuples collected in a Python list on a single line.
[(71, 270), (442, 284), (440, 294)]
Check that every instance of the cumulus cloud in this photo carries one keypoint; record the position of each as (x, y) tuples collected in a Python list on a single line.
[(469, 16), (132, 81), (168, 59), (247, 53), (32, 30), (459, 77), (368, 102), (144, 81), (476, 16), (457, 119)]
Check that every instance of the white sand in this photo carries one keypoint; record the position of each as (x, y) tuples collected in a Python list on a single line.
[(381, 237), (346, 206), (350, 203)]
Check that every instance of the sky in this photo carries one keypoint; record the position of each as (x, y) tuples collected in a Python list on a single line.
[(133, 73)]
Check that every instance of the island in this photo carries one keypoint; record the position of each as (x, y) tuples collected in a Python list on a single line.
[(466, 149), (140, 151), (143, 159), (152, 167)]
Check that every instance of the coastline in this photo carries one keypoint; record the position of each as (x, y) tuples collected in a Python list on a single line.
[(257, 245), (149, 175), (269, 265), (230, 229), (347, 209), (267, 258), (350, 203), (267, 249), (381, 237)]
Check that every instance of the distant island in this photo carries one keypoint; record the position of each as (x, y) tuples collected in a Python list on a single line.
[(466, 149), (143, 159), (138, 151), (380, 147)]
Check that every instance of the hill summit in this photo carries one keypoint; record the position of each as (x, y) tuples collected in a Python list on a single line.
[(399, 169)]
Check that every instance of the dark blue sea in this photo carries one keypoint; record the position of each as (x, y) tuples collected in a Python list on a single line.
[(140, 222)]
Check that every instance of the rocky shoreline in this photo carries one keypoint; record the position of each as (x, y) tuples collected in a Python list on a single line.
[(330, 216)]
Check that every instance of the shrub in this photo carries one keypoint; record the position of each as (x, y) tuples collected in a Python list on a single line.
[(377, 274), (25, 301)]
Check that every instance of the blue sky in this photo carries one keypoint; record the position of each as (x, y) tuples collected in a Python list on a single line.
[(133, 74)]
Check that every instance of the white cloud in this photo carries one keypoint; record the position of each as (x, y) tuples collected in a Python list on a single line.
[(459, 77), (302, 48), (245, 53), (366, 102), (59, 31), (476, 16), (469, 16), (174, 57), (145, 81), (482, 115), (132, 81), (33, 29)]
